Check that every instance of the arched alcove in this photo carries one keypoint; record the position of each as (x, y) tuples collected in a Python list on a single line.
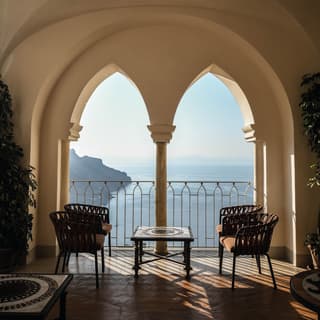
[(162, 81), (268, 158)]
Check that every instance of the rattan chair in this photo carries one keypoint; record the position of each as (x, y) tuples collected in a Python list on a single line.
[(77, 233), (244, 209), (253, 237), (102, 212)]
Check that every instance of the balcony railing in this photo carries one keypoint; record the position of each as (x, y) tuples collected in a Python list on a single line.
[(189, 203)]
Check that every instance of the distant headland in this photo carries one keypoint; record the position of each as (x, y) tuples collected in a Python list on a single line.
[(90, 168)]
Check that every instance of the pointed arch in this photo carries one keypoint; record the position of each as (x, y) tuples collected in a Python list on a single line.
[(86, 93), (235, 90)]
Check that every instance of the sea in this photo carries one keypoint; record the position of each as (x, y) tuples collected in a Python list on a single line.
[(198, 172), (195, 204)]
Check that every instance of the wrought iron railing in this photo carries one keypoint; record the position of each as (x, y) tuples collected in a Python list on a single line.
[(189, 203)]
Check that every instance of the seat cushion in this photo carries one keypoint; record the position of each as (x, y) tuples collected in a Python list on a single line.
[(100, 240), (228, 242), (219, 228), (106, 227)]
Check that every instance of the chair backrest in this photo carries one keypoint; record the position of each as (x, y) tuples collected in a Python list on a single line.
[(86, 207), (75, 232), (241, 209), (81, 208), (256, 239)]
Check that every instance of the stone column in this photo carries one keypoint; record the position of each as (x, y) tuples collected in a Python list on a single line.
[(65, 173), (260, 176), (260, 173), (161, 135), (64, 165), (161, 193)]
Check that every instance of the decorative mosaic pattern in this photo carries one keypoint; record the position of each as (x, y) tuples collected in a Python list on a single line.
[(17, 289), (27, 292), (163, 231)]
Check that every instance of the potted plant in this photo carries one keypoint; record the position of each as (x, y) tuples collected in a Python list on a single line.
[(17, 184), (310, 110)]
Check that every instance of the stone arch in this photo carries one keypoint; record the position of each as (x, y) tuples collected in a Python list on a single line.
[(86, 93), (71, 94), (55, 144), (233, 87), (256, 130)]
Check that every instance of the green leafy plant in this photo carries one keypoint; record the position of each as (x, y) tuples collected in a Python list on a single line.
[(17, 184), (310, 110), (313, 240)]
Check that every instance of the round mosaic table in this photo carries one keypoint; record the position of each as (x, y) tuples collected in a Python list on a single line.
[(305, 288)]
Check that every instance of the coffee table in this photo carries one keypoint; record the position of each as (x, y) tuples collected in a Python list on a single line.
[(143, 233), (32, 296)]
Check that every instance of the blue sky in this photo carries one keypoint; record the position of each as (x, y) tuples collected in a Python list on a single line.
[(208, 126)]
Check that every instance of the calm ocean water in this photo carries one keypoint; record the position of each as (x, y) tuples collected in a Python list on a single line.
[(183, 172)]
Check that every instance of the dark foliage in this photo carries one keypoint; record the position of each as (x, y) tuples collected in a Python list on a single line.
[(17, 183), (310, 110)]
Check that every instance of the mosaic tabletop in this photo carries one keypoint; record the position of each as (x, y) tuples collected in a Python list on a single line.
[(28, 293), (179, 233)]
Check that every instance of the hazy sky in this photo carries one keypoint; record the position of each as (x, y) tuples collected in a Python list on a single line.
[(208, 126)]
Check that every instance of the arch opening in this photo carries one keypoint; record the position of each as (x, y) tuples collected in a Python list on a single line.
[(254, 127)]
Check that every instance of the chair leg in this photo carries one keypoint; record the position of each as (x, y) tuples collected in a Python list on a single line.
[(220, 248), (64, 261), (68, 258), (233, 269), (109, 243), (57, 264), (220, 258), (102, 258), (258, 262), (271, 270), (96, 267)]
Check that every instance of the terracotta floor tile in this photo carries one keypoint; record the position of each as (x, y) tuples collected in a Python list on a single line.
[(162, 293)]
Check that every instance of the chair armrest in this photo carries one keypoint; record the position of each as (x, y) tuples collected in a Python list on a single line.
[(106, 228)]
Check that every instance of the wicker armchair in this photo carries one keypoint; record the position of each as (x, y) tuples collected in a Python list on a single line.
[(253, 237), (246, 209), (77, 233), (103, 212)]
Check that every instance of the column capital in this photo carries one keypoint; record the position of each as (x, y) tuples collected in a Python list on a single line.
[(249, 132), (161, 132), (74, 131)]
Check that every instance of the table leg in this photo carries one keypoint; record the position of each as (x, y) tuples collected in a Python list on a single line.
[(136, 258), (62, 314), (140, 250), (187, 250)]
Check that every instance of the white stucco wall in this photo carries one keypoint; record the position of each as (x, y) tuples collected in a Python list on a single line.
[(55, 58)]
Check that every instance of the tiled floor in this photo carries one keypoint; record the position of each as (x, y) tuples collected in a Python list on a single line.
[(162, 292)]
